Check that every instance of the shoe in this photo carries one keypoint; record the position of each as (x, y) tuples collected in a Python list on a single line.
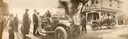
[(34, 34)]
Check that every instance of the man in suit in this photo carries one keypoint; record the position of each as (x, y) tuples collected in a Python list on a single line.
[(16, 22), (11, 25), (83, 21), (35, 22), (48, 13), (26, 24)]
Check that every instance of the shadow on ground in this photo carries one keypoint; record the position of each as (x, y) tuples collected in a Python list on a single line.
[(124, 35)]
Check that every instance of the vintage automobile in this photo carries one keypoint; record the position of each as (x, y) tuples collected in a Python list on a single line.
[(59, 25), (98, 20)]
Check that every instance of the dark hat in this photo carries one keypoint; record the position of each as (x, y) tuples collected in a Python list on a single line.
[(11, 14), (26, 9)]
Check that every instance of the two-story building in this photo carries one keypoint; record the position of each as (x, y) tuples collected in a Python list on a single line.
[(103, 7)]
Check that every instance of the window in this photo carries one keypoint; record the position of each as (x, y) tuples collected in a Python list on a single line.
[(110, 0), (110, 5), (118, 5), (97, 1), (93, 1)]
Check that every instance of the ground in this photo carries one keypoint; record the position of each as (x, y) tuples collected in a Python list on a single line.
[(120, 32)]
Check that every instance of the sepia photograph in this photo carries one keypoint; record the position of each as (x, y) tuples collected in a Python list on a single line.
[(63, 19)]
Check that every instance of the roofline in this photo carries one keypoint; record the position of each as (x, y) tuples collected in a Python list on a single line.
[(119, 1)]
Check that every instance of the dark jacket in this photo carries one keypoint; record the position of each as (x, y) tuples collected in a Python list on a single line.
[(26, 19), (35, 19), (83, 21), (11, 24), (16, 21), (26, 24)]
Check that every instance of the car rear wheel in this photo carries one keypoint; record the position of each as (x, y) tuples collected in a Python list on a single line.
[(60, 33), (94, 27), (113, 25), (108, 26)]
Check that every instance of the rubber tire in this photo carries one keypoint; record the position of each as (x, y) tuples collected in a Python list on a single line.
[(63, 30), (96, 28), (113, 25), (108, 26)]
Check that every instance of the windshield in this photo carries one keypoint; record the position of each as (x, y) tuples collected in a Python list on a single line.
[(92, 16)]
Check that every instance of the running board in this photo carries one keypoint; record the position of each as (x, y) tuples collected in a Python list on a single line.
[(44, 32)]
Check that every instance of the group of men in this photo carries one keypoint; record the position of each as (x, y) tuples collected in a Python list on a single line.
[(26, 22), (13, 26)]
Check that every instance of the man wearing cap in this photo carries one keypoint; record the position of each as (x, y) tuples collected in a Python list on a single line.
[(26, 24)]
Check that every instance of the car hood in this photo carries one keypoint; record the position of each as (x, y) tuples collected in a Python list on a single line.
[(65, 22)]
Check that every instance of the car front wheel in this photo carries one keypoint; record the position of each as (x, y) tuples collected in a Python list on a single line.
[(60, 33)]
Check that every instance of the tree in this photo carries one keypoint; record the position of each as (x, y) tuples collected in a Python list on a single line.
[(71, 7)]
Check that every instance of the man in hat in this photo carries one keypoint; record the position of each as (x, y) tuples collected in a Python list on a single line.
[(48, 13), (83, 21), (11, 25), (35, 22), (26, 24), (16, 22)]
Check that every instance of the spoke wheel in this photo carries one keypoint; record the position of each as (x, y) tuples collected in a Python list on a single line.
[(108, 26), (94, 27), (113, 26), (60, 33)]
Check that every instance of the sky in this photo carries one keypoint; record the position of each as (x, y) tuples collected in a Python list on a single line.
[(31, 4), (125, 6), (19, 6)]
